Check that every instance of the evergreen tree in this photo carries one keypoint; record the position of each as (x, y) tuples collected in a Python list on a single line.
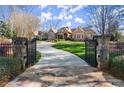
[(5, 30)]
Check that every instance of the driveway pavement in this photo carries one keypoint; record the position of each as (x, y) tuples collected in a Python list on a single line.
[(59, 68)]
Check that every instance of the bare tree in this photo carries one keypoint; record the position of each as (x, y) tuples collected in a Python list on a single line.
[(25, 24), (47, 24), (7, 10), (102, 18)]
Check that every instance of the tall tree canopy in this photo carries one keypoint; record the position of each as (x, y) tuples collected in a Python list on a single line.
[(105, 19)]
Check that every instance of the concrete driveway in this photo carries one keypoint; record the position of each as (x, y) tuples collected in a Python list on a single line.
[(59, 68)]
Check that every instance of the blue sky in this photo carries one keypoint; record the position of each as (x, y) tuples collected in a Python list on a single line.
[(66, 15), (56, 15), (59, 16)]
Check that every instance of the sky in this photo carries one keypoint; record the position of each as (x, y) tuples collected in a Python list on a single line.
[(61, 16)]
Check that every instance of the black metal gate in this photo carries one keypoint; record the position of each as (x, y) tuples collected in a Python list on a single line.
[(90, 53), (31, 52)]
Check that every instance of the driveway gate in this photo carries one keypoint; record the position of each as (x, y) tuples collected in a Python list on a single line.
[(31, 51), (90, 53)]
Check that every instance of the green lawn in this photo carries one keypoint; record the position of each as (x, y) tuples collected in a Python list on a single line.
[(38, 56), (77, 48)]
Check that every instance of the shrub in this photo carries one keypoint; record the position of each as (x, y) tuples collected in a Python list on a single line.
[(9, 67)]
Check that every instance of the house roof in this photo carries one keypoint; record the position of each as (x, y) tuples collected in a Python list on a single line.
[(78, 30), (83, 30), (73, 29), (52, 30), (65, 30), (89, 31)]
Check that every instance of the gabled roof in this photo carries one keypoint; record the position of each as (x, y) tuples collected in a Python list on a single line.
[(65, 30), (78, 30), (52, 30), (84, 30), (89, 31)]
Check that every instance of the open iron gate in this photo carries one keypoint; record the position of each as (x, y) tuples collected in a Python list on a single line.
[(90, 52), (31, 52)]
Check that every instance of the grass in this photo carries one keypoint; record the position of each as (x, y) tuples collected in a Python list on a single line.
[(77, 48), (38, 56), (39, 42), (116, 65), (9, 68)]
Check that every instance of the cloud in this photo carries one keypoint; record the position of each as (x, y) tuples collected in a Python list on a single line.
[(68, 17), (63, 17), (62, 6), (42, 7), (68, 24), (47, 16), (77, 8), (79, 20), (60, 17), (64, 13)]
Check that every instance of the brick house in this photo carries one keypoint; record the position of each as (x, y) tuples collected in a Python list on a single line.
[(64, 33), (81, 34)]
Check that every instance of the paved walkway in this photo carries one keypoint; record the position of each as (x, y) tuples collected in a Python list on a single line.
[(60, 68)]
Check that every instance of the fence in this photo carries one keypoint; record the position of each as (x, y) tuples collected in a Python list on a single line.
[(6, 50), (116, 48), (116, 52), (21, 49)]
